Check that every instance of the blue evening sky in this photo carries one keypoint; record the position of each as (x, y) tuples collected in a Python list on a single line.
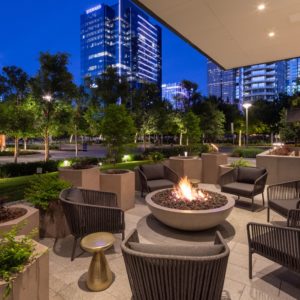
[(31, 26)]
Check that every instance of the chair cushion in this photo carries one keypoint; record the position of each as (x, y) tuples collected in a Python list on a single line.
[(154, 171), (249, 174), (177, 250), (283, 206), (75, 195), (238, 188), (159, 184)]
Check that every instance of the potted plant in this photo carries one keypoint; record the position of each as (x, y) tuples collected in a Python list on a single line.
[(237, 163), (16, 214), (83, 174), (24, 267), (43, 193)]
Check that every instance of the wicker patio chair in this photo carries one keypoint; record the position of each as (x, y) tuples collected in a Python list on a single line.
[(279, 244), (155, 177), (244, 181), (283, 197), (90, 211), (165, 272)]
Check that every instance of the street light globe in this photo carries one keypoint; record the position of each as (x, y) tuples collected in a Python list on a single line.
[(247, 105), (47, 97)]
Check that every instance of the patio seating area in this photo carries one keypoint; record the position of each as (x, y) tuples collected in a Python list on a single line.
[(270, 280)]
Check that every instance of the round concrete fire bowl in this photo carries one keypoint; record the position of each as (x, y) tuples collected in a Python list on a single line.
[(190, 220)]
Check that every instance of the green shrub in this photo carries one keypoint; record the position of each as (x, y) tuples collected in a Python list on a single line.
[(155, 156), (195, 149), (240, 163), (246, 152), (22, 152), (44, 189), (14, 255)]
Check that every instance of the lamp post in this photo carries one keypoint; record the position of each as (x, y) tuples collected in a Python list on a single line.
[(246, 106), (47, 98)]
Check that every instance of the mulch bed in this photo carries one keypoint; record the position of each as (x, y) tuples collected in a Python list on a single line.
[(167, 199), (11, 213)]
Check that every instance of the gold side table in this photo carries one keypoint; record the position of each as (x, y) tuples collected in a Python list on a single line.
[(99, 273)]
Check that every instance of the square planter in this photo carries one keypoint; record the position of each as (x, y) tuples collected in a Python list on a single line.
[(83, 178), (210, 166), (31, 220), (223, 169), (190, 166), (33, 282), (122, 183)]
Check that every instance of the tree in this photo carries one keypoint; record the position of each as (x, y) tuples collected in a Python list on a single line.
[(15, 115), (288, 131), (112, 88), (192, 125), (117, 129), (53, 90)]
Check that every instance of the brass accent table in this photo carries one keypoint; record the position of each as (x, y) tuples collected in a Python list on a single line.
[(99, 273), (194, 182)]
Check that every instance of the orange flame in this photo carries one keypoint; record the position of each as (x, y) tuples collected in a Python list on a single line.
[(184, 190)]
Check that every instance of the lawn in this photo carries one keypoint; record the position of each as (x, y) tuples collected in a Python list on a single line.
[(12, 189)]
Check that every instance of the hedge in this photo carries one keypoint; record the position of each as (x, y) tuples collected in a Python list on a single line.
[(250, 152)]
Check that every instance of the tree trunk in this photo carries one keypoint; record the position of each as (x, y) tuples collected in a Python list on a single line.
[(180, 139), (16, 150), (25, 143), (46, 145), (71, 138), (135, 137), (144, 141), (76, 145), (187, 140)]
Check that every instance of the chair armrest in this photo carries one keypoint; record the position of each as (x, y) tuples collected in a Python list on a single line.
[(260, 182), (132, 237), (228, 177), (99, 198), (293, 219), (171, 174), (283, 191), (143, 180)]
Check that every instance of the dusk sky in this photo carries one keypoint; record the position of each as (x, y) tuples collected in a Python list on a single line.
[(28, 27)]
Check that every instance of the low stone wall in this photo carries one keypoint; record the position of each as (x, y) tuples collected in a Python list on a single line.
[(280, 168)]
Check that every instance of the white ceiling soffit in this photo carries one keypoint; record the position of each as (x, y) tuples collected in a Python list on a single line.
[(233, 33)]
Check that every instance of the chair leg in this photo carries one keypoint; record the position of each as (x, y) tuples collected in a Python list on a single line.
[(263, 198), (252, 204), (123, 235), (268, 214), (74, 248), (250, 264)]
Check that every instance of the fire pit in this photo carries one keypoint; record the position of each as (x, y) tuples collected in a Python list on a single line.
[(188, 208)]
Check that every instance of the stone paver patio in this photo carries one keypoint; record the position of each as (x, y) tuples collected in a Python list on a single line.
[(270, 280)]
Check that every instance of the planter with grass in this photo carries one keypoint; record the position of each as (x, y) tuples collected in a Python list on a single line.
[(81, 175), (228, 167), (122, 183), (24, 267), (43, 192), (14, 215)]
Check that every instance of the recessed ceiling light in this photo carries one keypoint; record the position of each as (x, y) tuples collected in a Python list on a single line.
[(271, 34), (261, 6)]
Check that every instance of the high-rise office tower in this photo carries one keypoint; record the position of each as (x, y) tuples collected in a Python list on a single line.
[(172, 90), (293, 76), (121, 36), (221, 84)]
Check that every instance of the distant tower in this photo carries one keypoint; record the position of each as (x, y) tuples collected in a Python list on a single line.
[(171, 90), (120, 36)]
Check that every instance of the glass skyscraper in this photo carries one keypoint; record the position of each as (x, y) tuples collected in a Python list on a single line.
[(293, 76), (120, 36), (172, 90), (262, 81)]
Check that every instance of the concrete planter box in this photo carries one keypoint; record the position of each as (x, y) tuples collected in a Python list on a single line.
[(280, 168), (53, 223), (33, 282), (210, 166), (190, 166), (223, 169), (122, 183), (30, 219), (84, 178)]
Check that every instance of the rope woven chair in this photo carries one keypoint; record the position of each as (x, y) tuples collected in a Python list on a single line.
[(175, 277), (283, 197), (97, 212), (279, 244)]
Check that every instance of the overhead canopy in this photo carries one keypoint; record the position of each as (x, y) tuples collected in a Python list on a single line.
[(233, 33)]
